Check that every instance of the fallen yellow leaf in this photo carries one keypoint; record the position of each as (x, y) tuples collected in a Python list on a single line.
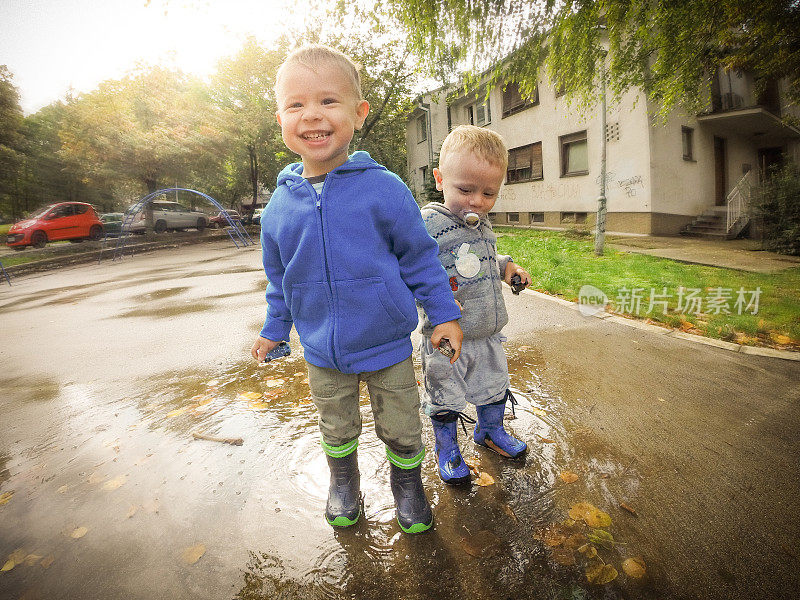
[(601, 574), (47, 561), (132, 510), (62, 489), (255, 405), (193, 553), (634, 567), (113, 484), (8, 565), (177, 412), (251, 395), (5, 497), (589, 550), (78, 533), (473, 462), (274, 382), (554, 537), (590, 514), (568, 476), (32, 559), (484, 479), (538, 411), (563, 556)]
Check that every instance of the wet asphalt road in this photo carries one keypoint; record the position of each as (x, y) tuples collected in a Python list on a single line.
[(108, 369)]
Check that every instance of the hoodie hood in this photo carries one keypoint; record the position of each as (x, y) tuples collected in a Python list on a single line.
[(357, 161)]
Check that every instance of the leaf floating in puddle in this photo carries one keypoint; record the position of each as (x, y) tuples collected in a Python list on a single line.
[(250, 395), (256, 405), (274, 382), (113, 484), (484, 479), (78, 533), (177, 412), (47, 561), (590, 514), (32, 559), (538, 411), (5, 497), (568, 476), (634, 567), (601, 574), (601, 538), (132, 511), (589, 550), (193, 553), (563, 556), (554, 537), (482, 545)]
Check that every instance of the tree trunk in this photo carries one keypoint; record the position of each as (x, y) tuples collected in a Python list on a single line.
[(253, 172)]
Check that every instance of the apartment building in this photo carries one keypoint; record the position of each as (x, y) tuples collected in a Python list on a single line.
[(661, 176)]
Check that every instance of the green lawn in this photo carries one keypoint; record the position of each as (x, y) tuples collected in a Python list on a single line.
[(560, 265)]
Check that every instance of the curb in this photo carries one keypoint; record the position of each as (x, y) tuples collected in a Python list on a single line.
[(698, 339)]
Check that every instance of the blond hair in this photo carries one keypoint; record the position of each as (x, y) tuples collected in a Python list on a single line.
[(315, 56), (484, 142)]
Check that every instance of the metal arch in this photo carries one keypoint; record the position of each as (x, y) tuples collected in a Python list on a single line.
[(5, 273), (243, 236)]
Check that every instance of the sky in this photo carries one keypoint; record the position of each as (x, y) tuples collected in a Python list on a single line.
[(52, 46)]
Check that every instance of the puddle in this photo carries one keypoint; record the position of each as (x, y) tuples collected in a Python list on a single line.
[(125, 465)]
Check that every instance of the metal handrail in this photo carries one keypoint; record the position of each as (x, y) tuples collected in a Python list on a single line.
[(738, 201)]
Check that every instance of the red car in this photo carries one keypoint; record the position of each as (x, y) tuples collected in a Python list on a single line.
[(74, 221)]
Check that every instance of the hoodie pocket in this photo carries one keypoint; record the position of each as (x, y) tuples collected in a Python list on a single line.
[(310, 312), (368, 315)]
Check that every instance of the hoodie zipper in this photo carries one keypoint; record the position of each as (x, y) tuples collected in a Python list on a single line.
[(319, 197)]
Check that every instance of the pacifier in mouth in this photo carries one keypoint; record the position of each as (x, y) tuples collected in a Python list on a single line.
[(472, 219)]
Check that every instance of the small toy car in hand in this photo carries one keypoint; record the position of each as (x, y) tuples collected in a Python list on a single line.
[(278, 351), (517, 285), (446, 348)]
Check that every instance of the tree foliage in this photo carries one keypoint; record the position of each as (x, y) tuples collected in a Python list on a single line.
[(668, 49), (10, 139)]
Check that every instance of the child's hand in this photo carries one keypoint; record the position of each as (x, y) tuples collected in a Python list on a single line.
[(514, 269), (261, 347), (452, 331)]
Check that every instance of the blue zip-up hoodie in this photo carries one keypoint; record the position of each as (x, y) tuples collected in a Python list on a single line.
[(345, 266)]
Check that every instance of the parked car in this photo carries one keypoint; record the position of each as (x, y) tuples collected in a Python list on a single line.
[(169, 216), (73, 221), (219, 219), (257, 216), (112, 223)]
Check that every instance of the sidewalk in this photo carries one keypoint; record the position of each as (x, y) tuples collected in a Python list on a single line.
[(742, 255)]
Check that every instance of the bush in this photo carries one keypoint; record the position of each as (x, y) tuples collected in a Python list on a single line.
[(776, 205)]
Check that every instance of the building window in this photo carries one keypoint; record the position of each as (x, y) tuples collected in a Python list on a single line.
[(513, 217), (687, 135), (573, 217), (574, 154), (479, 114), (513, 102), (423, 174), (525, 163), (422, 129), (536, 217)]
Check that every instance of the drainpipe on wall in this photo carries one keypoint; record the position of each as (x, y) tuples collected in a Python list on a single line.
[(600, 231), (426, 108)]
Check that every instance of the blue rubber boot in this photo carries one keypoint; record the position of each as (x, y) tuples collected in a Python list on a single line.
[(489, 431), (344, 494), (452, 468)]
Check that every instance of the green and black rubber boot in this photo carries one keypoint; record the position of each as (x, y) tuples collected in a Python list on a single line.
[(413, 511), (344, 494)]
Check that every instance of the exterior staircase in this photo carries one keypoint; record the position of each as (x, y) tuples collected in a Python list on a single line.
[(712, 224), (725, 222)]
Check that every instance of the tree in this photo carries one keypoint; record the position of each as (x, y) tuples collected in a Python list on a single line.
[(668, 49), (153, 127), (242, 88), (10, 142)]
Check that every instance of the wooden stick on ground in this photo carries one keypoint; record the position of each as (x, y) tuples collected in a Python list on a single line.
[(211, 438)]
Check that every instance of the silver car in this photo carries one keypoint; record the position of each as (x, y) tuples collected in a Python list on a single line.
[(171, 215)]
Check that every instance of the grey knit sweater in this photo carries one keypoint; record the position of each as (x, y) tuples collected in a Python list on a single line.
[(475, 270)]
